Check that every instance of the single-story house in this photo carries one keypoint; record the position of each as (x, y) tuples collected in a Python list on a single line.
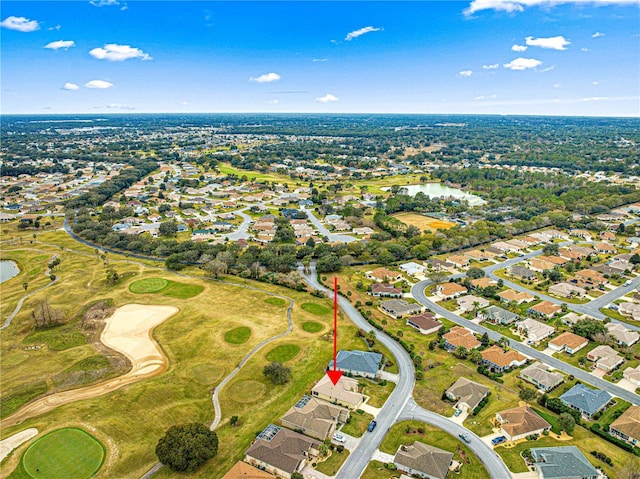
[(450, 290), (565, 462), (623, 336), (605, 248), (412, 268), (627, 426), (359, 363), (632, 375), (540, 265), (590, 277), (467, 393), (281, 452), (539, 375), (439, 265), (398, 308), (383, 290), (419, 459), (242, 470), (567, 290), (484, 282), (630, 309), (315, 418), (521, 272), (534, 330), (499, 360), (516, 296), (425, 322), (568, 342), (383, 275), (572, 318), (459, 336), (586, 400), (520, 422), (605, 357), (459, 261), (470, 302), (545, 309), (344, 393), (498, 315)]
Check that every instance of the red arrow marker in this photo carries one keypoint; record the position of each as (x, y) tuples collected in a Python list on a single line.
[(335, 375)]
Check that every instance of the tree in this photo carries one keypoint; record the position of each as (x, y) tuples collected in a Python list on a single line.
[(215, 268), (25, 285), (45, 316), (461, 352), (475, 356), (635, 259), (297, 475), (475, 273), (550, 249), (437, 277), (484, 340), (187, 446), (112, 276), (168, 228), (277, 372), (589, 328), (233, 421), (566, 422), (528, 394)]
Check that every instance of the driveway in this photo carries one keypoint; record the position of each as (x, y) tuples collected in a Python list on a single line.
[(460, 418), (350, 442), (383, 457), (389, 377)]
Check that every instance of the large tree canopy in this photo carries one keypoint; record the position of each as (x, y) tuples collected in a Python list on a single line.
[(187, 446)]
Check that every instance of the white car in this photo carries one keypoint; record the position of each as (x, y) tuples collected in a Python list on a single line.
[(338, 437)]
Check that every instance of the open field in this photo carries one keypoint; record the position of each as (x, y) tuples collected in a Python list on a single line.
[(238, 335), (423, 222), (166, 287), (227, 169), (283, 353)]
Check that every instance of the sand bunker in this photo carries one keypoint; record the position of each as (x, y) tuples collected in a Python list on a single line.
[(9, 444), (128, 331)]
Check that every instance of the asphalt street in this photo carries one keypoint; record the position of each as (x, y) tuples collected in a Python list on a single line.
[(322, 229)]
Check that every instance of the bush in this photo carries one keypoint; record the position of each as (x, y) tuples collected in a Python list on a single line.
[(482, 404), (603, 457), (187, 446), (278, 373)]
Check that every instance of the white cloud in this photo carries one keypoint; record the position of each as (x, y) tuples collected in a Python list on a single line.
[(597, 35), (584, 49), (327, 98), (556, 85), (56, 28), (20, 24), (595, 83), (117, 106), (70, 86), (118, 53), (316, 60), (184, 102), (491, 67), (266, 78), (548, 69), (358, 33), (99, 84), (483, 97), (273, 102), (519, 48), (465, 73), (522, 63), (596, 98), (554, 43), (511, 6), (104, 3), (57, 45)]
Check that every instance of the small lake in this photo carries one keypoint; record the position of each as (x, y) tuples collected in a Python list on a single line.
[(436, 190), (8, 270)]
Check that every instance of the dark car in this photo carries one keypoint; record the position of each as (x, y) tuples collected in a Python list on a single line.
[(371, 426), (498, 440), (465, 437)]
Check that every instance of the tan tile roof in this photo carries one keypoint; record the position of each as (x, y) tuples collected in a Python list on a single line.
[(242, 470), (628, 423), (521, 420), (547, 308), (448, 289), (482, 282), (459, 336), (512, 295), (571, 340), (499, 357)]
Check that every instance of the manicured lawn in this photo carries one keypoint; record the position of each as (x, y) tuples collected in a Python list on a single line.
[(148, 285), (182, 290), (63, 454), (472, 468), (315, 308), (238, 335), (378, 393), (376, 470), (504, 330), (283, 353), (357, 425), (312, 327), (331, 466), (275, 301), (550, 418)]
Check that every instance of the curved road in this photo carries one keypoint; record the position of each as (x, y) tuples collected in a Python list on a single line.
[(417, 291), (400, 405), (322, 229)]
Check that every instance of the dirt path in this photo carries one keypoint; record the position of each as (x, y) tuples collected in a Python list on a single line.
[(128, 331)]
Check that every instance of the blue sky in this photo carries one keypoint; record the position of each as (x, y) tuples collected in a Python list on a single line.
[(557, 57)]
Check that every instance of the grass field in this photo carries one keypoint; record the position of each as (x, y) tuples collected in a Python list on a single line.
[(423, 222), (312, 327), (315, 308), (62, 454), (275, 301), (171, 289), (357, 424), (283, 353), (331, 466), (376, 470), (472, 468), (238, 335)]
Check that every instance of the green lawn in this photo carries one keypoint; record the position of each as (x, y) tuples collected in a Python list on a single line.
[(171, 289), (378, 394), (148, 285), (332, 465), (357, 425), (315, 308), (283, 353), (58, 338), (63, 454), (238, 335), (275, 301), (472, 468), (376, 470), (312, 327), (12, 401)]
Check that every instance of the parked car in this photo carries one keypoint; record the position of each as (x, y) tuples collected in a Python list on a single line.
[(627, 282), (338, 437), (465, 437), (458, 412), (371, 426), (498, 440)]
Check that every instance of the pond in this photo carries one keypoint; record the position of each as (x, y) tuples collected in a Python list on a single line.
[(436, 190), (8, 270)]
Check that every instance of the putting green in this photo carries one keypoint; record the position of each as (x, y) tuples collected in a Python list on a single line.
[(246, 392), (312, 327), (283, 353), (148, 285), (238, 335), (315, 308), (275, 301), (62, 454)]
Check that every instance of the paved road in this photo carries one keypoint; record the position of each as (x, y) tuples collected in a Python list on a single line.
[(243, 230), (489, 458), (322, 229), (418, 293), (357, 462)]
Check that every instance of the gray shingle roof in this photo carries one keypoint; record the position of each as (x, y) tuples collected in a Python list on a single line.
[(586, 399), (358, 361), (562, 463)]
